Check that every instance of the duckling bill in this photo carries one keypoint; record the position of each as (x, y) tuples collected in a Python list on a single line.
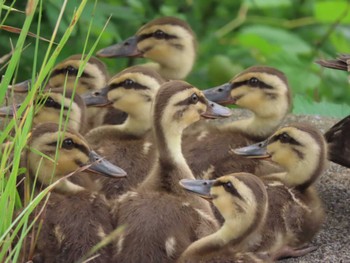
[(127, 48)]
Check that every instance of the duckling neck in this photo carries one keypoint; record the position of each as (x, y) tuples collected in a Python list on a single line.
[(300, 175), (171, 166), (231, 232), (256, 126), (61, 185), (136, 123)]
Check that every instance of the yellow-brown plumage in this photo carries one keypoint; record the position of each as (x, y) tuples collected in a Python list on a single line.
[(168, 41)]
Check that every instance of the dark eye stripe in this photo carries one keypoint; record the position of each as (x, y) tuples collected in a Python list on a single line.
[(55, 105), (262, 85), (278, 137), (187, 101), (135, 85), (64, 72), (146, 36), (78, 146), (232, 190)]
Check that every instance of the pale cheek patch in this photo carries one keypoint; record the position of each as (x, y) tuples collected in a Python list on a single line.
[(170, 246)]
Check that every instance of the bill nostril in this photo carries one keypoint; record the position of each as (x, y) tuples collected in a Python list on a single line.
[(220, 90)]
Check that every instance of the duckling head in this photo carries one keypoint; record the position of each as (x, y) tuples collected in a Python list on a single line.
[(133, 90), (240, 198), (51, 105), (260, 89), (299, 148), (93, 77), (62, 153), (169, 41), (179, 104)]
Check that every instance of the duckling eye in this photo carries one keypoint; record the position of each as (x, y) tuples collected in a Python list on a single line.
[(68, 144), (284, 138), (71, 70), (49, 102), (159, 34), (228, 186), (254, 82), (128, 82), (194, 98)]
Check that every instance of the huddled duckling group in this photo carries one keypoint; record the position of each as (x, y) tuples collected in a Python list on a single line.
[(179, 192)]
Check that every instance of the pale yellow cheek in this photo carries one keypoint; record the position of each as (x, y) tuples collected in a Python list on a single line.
[(284, 157), (81, 89), (191, 116), (57, 81), (66, 163), (158, 52), (251, 100), (46, 115)]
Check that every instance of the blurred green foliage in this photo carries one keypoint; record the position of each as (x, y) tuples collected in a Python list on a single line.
[(232, 35)]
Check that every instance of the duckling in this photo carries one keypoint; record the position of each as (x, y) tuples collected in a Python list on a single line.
[(93, 78), (49, 106), (168, 41), (130, 144), (339, 143), (242, 200), (260, 89), (161, 219), (342, 62), (296, 212), (74, 219), (299, 148)]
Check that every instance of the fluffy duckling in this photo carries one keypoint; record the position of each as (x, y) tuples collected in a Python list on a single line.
[(49, 106), (338, 141), (93, 78), (342, 62), (161, 219), (299, 148), (168, 41), (262, 90), (295, 210), (130, 144), (74, 219), (242, 200)]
